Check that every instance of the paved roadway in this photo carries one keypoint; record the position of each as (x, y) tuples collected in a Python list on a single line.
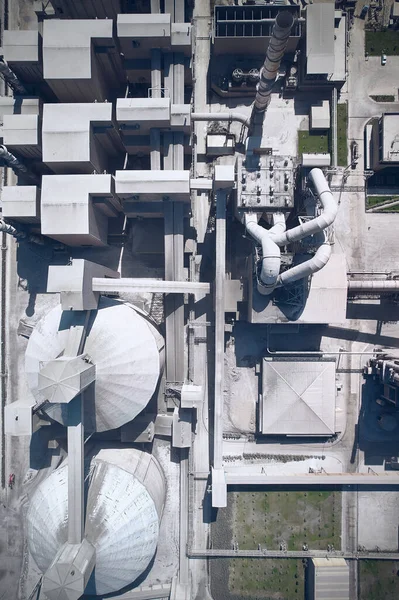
[(263, 553), (199, 510)]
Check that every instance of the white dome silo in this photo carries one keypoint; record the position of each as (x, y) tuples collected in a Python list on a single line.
[(124, 506), (125, 348)]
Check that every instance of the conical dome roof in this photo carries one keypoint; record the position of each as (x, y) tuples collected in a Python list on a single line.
[(122, 519), (125, 350)]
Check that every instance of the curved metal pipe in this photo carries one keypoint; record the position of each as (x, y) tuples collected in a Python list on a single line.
[(222, 116), (271, 255), (10, 78), (309, 267), (327, 217), (271, 239), (11, 160), (7, 228)]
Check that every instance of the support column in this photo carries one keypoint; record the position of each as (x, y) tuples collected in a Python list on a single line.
[(155, 153), (75, 471), (156, 73), (178, 259), (169, 298), (179, 11), (155, 6), (168, 74), (219, 326), (178, 78), (170, 9)]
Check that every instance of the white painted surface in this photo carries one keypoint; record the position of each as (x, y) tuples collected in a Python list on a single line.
[(124, 350)]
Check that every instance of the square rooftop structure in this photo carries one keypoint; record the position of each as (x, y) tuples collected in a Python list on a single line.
[(314, 159), (320, 116), (389, 129), (74, 282), (328, 578), (87, 9), (79, 138), (268, 186), (81, 60), (320, 38), (180, 38), (74, 208), (21, 203), (139, 33), (21, 50), (153, 185), (142, 113), (298, 397), (21, 134), (224, 177)]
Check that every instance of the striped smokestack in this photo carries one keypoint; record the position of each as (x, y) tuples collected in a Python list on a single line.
[(277, 45)]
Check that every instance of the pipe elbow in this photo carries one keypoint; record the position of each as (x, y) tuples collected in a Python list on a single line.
[(311, 266)]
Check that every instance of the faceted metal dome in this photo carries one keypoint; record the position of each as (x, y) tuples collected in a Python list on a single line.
[(124, 506), (124, 347)]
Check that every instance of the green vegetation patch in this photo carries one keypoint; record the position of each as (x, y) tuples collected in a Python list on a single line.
[(310, 142), (266, 578), (342, 134), (382, 42), (375, 201), (383, 98), (378, 580), (296, 518)]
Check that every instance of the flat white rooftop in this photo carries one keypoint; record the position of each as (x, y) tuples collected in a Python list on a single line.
[(67, 46), (390, 137), (320, 116), (320, 38), (153, 185)]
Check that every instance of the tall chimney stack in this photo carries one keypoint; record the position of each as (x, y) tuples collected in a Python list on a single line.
[(277, 45)]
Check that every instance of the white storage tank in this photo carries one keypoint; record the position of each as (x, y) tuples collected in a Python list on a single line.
[(125, 500), (126, 349)]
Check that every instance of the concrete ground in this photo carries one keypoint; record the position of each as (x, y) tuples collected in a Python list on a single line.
[(379, 520)]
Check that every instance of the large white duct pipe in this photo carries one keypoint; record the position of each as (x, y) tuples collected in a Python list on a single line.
[(222, 116), (373, 286), (271, 239), (271, 259), (314, 264), (321, 222)]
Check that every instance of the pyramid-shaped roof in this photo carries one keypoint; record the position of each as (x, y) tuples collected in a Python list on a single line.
[(298, 398), (62, 379)]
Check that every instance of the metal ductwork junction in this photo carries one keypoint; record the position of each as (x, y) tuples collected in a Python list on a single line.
[(277, 45), (12, 161), (10, 78), (222, 116), (270, 240)]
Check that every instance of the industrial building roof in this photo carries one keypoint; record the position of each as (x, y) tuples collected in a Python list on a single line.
[(390, 137), (320, 116), (320, 38), (316, 160), (298, 397), (331, 579)]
